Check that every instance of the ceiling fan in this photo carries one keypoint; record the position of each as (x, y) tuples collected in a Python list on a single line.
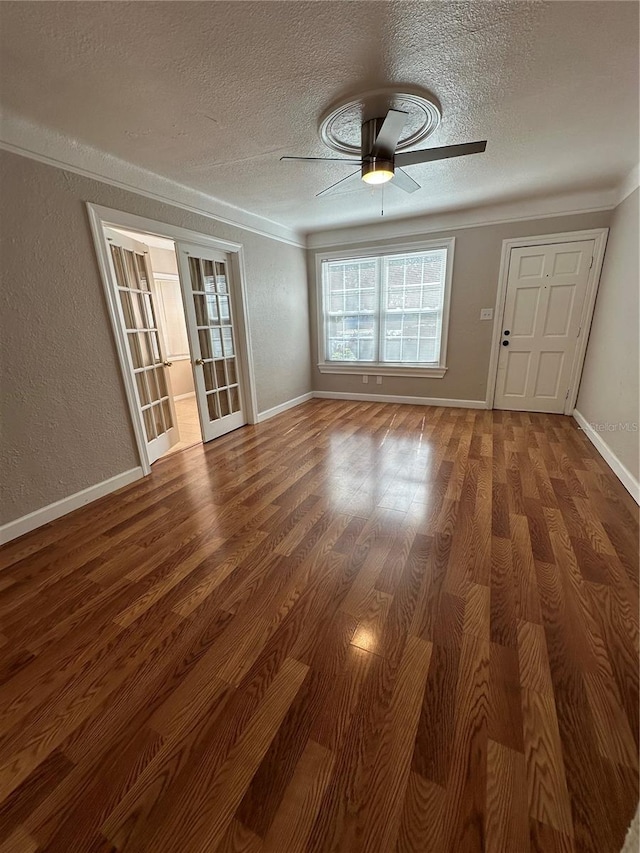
[(379, 162)]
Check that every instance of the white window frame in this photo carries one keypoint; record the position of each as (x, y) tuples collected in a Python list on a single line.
[(434, 371)]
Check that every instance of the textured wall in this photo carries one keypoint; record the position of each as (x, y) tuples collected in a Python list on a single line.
[(609, 387), (476, 268), (65, 421)]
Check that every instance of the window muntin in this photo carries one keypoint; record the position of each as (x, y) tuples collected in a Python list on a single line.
[(385, 310)]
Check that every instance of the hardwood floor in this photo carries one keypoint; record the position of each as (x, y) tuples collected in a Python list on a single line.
[(355, 627)]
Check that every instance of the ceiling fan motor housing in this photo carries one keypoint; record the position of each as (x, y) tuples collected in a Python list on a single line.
[(379, 164)]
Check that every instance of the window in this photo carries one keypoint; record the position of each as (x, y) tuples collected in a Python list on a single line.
[(386, 313)]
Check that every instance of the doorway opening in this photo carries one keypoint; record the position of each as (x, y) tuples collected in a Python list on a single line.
[(174, 340), (177, 303)]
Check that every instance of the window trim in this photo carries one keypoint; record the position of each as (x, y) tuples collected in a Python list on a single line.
[(432, 370)]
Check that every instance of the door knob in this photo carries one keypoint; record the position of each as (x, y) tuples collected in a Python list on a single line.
[(506, 332), (167, 363), (505, 343), (199, 361)]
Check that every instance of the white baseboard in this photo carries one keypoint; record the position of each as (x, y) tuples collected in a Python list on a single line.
[(389, 398), (29, 522), (185, 396), (282, 407), (623, 474)]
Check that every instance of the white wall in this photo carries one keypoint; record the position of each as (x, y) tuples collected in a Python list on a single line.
[(608, 400)]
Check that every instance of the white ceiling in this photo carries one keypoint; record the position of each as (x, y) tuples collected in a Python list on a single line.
[(211, 94)]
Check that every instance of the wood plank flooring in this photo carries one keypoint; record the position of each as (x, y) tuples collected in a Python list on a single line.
[(357, 627)]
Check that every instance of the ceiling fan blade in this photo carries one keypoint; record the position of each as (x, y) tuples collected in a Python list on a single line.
[(389, 134), (404, 181), (334, 159), (328, 190), (427, 155)]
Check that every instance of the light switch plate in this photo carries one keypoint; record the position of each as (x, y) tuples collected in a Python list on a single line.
[(365, 378), (379, 380), (486, 313)]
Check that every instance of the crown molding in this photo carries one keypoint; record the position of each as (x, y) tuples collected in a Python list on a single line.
[(630, 184), (45, 145), (498, 214)]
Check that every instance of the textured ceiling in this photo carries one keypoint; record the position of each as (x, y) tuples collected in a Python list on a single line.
[(212, 94)]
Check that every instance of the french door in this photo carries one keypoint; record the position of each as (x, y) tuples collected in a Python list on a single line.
[(132, 274), (546, 289), (208, 292)]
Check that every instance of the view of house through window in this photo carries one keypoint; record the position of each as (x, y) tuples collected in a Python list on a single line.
[(385, 310)]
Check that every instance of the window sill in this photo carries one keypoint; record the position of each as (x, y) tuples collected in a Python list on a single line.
[(383, 370)]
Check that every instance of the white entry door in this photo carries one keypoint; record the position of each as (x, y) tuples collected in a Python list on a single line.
[(546, 289), (208, 292), (131, 271)]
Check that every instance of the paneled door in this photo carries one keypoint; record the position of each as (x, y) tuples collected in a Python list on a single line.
[(208, 290), (546, 289), (132, 274)]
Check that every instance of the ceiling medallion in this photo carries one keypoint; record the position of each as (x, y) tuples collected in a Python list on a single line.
[(340, 126)]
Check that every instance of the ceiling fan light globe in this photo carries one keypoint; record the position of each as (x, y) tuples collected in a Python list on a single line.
[(377, 171), (378, 177)]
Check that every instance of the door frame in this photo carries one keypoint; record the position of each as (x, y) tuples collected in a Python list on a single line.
[(599, 237), (104, 217)]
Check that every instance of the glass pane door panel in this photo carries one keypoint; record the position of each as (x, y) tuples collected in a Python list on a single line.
[(215, 338), (127, 309), (143, 282), (155, 347), (221, 278), (225, 314), (195, 274), (201, 310), (231, 371), (143, 340), (149, 316), (212, 314), (134, 348), (158, 420), (162, 384), (130, 271), (166, 413), (143, 392), (209, 382), (235, 399), (148, 424), (224, 404), (208, 276), (118, 265), (227, 340), (138, 315), (152, 384), (212, 405)]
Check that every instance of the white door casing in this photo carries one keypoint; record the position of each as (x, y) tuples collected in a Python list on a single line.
[(209, 301), (541, 324), (132, 278)]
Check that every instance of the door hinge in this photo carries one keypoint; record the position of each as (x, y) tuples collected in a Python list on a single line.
[(579, 330), (566, 396), (591, 264)]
